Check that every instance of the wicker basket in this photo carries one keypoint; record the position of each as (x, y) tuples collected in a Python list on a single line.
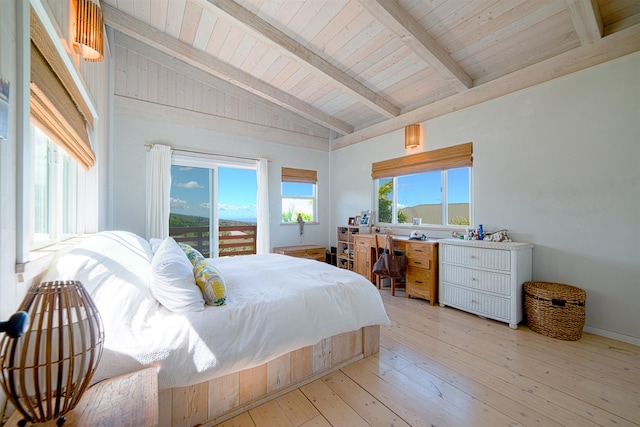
[(555, 309)]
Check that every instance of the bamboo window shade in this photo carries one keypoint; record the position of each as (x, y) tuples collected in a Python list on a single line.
[(457, 156), (299, 175), (56, 105)]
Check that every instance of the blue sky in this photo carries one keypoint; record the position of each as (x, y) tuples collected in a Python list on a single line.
[(424, 188), (237, 191)]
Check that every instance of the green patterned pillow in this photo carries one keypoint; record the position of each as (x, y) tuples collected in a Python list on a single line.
[(193, 254), (211, 283)]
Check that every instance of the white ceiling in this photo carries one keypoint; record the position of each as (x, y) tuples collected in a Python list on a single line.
[(366, 67)]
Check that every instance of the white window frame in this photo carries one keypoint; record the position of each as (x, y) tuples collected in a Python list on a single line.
[(444, 204), (55, 184), (212, 163), (313, 198)]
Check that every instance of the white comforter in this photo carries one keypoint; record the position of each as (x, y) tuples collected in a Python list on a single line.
[(275, 304)]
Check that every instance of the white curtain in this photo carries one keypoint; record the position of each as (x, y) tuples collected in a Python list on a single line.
[(158, 191), (262, 239)]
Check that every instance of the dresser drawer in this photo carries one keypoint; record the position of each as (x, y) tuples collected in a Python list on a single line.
[(421, 283), (476, 302), (419, 276), (483, 280), (495, 259)]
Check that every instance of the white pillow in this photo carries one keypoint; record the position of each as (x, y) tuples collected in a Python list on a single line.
[(155, 243), (171, 279)]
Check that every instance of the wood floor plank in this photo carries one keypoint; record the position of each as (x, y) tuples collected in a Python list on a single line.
[(442, 366), (270, 414), (297, 407), (334, 409), (598, 394), (242, 420), (448, 349), (368, 407), (318, 421)]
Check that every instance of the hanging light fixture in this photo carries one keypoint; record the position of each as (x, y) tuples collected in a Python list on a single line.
[(45, 370), (413, 136), (89, 30)]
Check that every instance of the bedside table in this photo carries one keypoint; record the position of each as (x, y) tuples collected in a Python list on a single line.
[(316, 252)]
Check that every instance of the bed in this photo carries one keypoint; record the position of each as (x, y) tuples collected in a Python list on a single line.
[(285, 322)]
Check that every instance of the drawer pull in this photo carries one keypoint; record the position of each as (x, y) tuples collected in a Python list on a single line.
[(417, 262), (473, 279)]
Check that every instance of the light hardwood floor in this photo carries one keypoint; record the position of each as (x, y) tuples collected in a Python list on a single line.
[(441, 366)]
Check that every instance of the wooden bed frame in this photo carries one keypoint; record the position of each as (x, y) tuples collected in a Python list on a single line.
[(217, 400)]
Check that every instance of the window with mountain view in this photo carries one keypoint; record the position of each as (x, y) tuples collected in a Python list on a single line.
[(206, 194), (436, 198)]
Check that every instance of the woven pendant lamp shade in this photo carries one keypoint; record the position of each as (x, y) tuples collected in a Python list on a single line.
[(46, 371), (89, 30)]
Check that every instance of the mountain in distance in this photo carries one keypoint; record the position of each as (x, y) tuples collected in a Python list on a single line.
[(180, 220)]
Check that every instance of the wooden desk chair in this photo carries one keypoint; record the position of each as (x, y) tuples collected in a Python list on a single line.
[(381, 239)]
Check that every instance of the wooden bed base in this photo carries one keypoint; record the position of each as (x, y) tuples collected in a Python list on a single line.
[(214, 401)]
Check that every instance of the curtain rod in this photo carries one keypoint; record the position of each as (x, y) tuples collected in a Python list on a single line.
[(209, 154)]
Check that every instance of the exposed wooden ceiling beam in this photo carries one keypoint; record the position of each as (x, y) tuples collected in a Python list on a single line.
[(394, 17), (266, 32), (606, 49), (132, 27), (586, 18)]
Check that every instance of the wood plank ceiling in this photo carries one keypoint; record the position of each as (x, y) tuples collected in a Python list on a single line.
[(362, 68)]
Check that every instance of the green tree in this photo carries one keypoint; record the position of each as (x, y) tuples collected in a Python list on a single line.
[(385, 204)]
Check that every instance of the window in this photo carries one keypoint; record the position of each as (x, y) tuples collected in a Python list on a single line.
[(54, 191), (431, 188), (299, 195), (422, 196), (208, 192)]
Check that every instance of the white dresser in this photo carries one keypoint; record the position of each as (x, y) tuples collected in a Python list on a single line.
[(485, 278)]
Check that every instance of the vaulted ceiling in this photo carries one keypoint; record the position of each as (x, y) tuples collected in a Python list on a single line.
[(362, 68)]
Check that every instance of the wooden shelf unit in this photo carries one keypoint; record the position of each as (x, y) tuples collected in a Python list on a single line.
[(345, 247)]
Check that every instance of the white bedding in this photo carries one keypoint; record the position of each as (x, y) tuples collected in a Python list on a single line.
[(275, 304)]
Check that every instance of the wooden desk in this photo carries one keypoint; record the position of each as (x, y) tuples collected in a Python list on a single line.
[(130, 400), (316, 252), (422, 264)]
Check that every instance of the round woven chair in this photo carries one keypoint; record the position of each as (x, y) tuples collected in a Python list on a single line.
[(555, 309)]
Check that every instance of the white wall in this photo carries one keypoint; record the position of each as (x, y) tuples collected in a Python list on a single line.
[(128, 156), (559, 166), (8, 70), (14, 37)]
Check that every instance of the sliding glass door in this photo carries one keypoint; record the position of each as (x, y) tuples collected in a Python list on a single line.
[(213, 206)]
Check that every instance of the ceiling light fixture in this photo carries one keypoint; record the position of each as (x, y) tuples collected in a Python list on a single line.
[(413, 136), (89, 30)]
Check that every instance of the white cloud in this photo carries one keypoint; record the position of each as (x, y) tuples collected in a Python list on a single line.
[(179, 203), (204, 205), (226, 207), (189, 185)]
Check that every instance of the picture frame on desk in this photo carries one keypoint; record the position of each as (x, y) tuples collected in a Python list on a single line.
[(352, 220), (365, 218)]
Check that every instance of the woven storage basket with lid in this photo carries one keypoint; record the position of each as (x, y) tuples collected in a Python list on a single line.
[(555, 309)]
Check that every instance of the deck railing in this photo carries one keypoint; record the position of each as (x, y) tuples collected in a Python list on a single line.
[(232, 239)]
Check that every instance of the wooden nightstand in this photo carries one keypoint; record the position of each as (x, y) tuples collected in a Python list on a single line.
[(316, 252), (130, 400)]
